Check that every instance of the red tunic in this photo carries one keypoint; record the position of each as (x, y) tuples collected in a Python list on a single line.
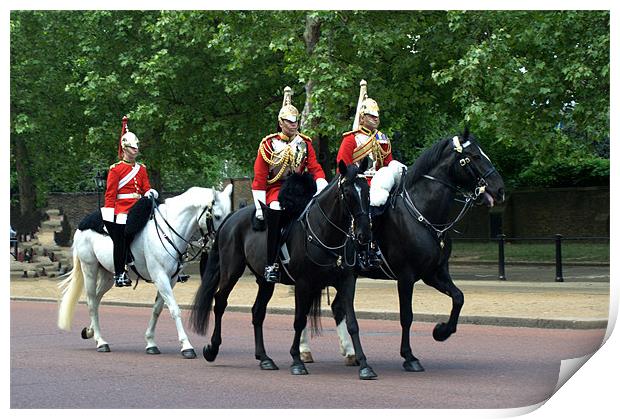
[(138, 185), (263, 171), (353, 139)]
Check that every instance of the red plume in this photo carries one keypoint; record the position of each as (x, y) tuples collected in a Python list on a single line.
[(123, 131)]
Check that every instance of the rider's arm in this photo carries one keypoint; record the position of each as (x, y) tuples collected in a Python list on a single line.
[(107, 212), (345, 152)]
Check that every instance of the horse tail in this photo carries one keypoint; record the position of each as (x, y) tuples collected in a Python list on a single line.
[(71, 289), (315, 314), (203, 300)]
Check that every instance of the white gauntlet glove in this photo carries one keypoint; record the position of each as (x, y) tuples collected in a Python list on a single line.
[(320, 185), (259, 196), (151, 192)]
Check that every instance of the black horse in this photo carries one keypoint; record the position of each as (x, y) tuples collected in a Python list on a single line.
[(412, 233), (322, 245)]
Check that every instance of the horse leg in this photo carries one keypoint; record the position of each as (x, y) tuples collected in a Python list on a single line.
[(405, 297), (303, 301), (220, 302), (151, 346), (95, 286), (443, 283), (259, 310), (345, 344), (164, 288), (347, 287), (305, 353)]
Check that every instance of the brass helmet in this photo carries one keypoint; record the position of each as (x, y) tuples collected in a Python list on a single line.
[(288, 111), (365, 105), (128, 139)]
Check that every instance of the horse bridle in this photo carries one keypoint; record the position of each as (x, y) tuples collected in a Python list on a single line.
[(207, 212), (349, 236), (470, 197)]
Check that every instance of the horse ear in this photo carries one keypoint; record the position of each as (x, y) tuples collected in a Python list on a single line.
[(363, 166), (227, 190), (342, 168), (466, 133)]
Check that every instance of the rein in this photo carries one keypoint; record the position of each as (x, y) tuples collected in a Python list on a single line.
[(181, 255), (312, 236)]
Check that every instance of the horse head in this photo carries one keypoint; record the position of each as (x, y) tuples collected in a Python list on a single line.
[(473, 170), (355, 194), (222, 205)]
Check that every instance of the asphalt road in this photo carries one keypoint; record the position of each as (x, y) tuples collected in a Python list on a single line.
[(479, 367)]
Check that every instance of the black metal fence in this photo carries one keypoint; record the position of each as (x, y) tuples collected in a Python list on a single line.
[(556, 240)]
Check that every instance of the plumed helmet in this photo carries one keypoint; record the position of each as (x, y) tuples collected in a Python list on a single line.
[(129, 139), (365, 105), (369, 107), (288, 111)]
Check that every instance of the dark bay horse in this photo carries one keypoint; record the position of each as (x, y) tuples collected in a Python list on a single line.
[(412, 233), (321, 244)]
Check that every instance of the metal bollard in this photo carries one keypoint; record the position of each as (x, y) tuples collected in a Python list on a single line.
[(558, 258), (501, 262)]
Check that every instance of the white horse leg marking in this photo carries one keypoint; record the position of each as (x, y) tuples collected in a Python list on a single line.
[(304, 342), (91, 275), (150, 331), (346, 347)]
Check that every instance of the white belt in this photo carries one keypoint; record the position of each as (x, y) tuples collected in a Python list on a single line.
[(128, 196)]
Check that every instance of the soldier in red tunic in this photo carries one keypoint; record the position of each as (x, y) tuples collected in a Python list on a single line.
[(127, 182), (366, 141), (279, 155)]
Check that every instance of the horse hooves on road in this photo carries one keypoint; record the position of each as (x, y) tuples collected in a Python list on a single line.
[(103, 348), (413, 366), (306, 357), (188, 354), (209, 353), (153, 350), (298, 369), (268, 365), (351, 361), (87, 333), (367, 373), (441, 332)]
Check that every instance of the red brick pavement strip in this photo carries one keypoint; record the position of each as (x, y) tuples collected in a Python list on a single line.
[(574, 305)]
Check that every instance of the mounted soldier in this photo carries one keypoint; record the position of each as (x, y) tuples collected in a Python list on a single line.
[(127, 182), (279, 156), (365, 141)]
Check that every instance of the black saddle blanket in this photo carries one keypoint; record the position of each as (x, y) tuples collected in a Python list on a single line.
[(136, 219)]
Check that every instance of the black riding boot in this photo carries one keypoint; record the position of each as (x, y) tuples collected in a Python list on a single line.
[(272, 221), (117, 233)]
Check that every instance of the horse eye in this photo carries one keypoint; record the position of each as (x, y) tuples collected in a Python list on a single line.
[(217, 217)]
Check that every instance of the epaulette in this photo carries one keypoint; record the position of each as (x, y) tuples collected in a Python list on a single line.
[(350, 132), (270, 136), (116, 164), (305, 137), (142, 164)]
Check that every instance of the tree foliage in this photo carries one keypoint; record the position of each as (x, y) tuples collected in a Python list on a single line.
[(202, 88)]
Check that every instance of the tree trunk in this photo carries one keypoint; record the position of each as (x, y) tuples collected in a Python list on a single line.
[(27, 188), (312, 33)]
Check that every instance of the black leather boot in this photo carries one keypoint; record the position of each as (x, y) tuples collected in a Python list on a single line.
[(272, 221)]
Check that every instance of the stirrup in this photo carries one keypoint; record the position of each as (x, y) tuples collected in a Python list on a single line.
[(272, 273), (182, 278), (122, 280)]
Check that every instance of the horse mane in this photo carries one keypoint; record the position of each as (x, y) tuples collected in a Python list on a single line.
[(192, 194), (427, 160)]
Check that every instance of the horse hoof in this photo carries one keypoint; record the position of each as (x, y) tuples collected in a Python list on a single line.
[(367, 373), (103, 348), (441, 332), (351, 361), (153, 350), (209, 353), (188, 354), (306, 357), (268, 365), (413, 366), (87, 333), (298, 369)]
